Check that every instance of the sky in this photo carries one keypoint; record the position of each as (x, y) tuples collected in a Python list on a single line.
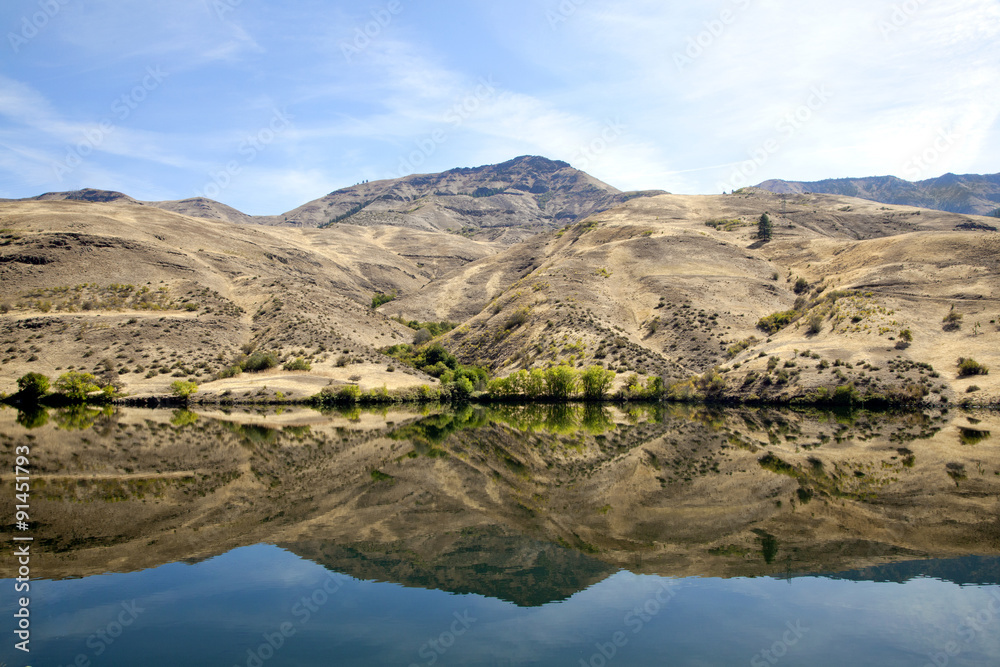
[(265, 105)]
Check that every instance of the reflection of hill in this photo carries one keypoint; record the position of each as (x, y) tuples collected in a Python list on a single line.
[(525, 503), (485, 562), (970, 570)]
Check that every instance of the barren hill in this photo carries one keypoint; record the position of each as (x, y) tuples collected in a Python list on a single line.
[(202, 207), (506, 202), (848, 292), (970, 193), (145, 295), (676, 285)]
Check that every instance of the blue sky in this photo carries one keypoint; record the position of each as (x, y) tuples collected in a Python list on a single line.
[(266, 105)]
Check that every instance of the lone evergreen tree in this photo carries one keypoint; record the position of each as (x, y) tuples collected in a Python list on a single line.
[(764, 227)]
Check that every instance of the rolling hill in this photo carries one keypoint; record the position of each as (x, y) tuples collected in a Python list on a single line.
[(145, 295), (676, 285), (849, 293)]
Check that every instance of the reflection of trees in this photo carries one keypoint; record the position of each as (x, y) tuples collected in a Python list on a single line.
[(182, 418), (596, 419), (32, 416), (436, 428), (252, 433), (80, 417), (768, 546)]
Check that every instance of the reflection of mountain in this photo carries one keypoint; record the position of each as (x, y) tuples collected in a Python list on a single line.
[(524, 503), (970, 570), (485, 562)]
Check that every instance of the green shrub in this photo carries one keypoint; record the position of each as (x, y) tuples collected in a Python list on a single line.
[(952, 321), (260, 361), (461, 389), (517, 318), (379, 298), (815, 323), (777, 321), (230, 372), (560, 381), (298, 364), (801, 285), (845, 395), (969, 367), (740, 346)]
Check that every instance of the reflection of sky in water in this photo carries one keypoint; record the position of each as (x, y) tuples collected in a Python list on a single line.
[(212, 612)]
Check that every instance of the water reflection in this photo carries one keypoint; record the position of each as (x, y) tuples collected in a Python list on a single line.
[(553, 535), (523, 503)]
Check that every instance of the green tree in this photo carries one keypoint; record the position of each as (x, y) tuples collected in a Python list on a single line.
[(32, 386), (560, 381), (596, 382), (534, 383), (764, 227), (183, 388), (461, 389), (76, 386)]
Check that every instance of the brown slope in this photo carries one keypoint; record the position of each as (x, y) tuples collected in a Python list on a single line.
[(648, 287), (202, 207), (106, 288), (196, 207)]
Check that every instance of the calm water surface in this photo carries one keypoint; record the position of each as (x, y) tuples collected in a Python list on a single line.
[(522, 536)]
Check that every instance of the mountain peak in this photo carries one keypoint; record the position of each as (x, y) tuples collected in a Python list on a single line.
[(503, 202), (536, 162)]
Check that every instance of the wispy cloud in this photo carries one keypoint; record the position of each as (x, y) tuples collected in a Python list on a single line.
[(559, 86)]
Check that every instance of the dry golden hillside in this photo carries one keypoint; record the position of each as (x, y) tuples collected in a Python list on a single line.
[(672, 285), (676, 285), (148, 296)]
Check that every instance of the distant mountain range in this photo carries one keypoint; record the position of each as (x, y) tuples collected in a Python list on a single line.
[(977, 194), (505, 202)]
